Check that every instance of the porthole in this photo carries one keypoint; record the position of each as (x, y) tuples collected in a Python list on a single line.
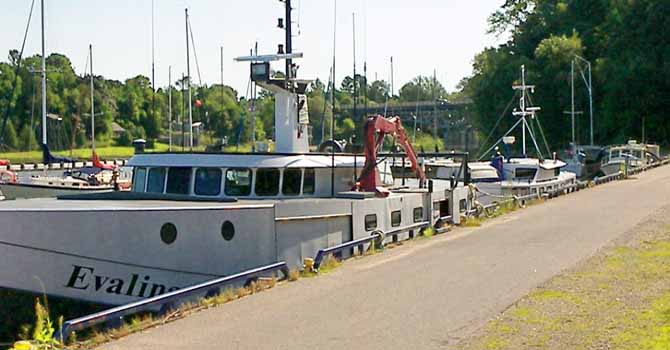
[(227, 230), (168, 233)]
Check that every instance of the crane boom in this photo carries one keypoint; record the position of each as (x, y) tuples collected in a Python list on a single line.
[(376, 128)]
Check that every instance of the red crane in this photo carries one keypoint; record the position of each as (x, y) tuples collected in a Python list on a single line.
[(375, 129)]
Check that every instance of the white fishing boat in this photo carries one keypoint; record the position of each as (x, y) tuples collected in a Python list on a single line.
[(192, 217), (526, 175)]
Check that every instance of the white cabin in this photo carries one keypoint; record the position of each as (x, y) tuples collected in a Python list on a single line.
[(255, 176)]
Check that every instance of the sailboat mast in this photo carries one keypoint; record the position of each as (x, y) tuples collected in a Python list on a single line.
[(188, 82), (572, 97), (332, 92), (90, 54), (353, 22), (44, 84), (253, 107), (170, 107), (153, 61), (434, 105)]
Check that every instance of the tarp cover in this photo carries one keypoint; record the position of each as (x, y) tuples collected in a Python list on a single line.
[(48, 158)]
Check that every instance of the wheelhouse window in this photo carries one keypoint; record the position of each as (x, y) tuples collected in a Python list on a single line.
[(140, 179), (418, 214), (238, 182), (208, 181), (156, 180), (267, 182), (178, 180), (396, 218), (525, 173), (370, 222), (308, 184), (291, 182)]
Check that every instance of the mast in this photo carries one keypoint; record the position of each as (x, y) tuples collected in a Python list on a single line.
[(434, 106), (223, 97), (253, 107), (332, 117), (153, 59), (525, 112), (90, 54), (188, 82), (44, 84), (392, 89), (353, 22), (332, 91), (170, 107), (289, 42), (572, 97)]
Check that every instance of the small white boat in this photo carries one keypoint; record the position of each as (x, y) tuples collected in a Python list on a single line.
[(633, 155)]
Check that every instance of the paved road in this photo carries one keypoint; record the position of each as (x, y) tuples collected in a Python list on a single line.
[(426, 294)]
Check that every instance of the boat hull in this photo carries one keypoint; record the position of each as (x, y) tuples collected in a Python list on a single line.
[(15, 191), (114, 252)]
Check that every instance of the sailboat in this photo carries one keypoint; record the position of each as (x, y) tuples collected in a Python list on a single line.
[(193, 217), (97, 178)]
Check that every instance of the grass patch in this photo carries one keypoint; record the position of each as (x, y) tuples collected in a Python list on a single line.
[(109, 152), (428, 232), (618, 299), (472, 221)]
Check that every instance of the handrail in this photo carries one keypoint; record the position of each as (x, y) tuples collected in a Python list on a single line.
[(322, 253), (160, 300), (607, 178), (376, 235)]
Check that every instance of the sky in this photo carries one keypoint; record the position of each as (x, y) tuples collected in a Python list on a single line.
[(421, 35)]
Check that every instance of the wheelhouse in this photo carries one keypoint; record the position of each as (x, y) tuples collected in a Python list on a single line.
[(246, 176)]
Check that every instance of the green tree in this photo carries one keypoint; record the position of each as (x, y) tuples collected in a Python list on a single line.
[(10, 136), (27, 139)]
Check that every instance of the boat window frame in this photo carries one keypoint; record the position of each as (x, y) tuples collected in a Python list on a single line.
[(277, 186), (218, 187), (283, 182), (516, 173), (251, 181), (369, 226), (304, 177), (146, 187), (397, 213), (417, 218), (144, 180), (189, 184)]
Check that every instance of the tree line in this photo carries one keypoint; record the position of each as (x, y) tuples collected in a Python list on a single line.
[(627, 44), (143, 112)]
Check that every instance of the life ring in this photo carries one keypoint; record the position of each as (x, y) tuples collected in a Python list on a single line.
[(7, 176)]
